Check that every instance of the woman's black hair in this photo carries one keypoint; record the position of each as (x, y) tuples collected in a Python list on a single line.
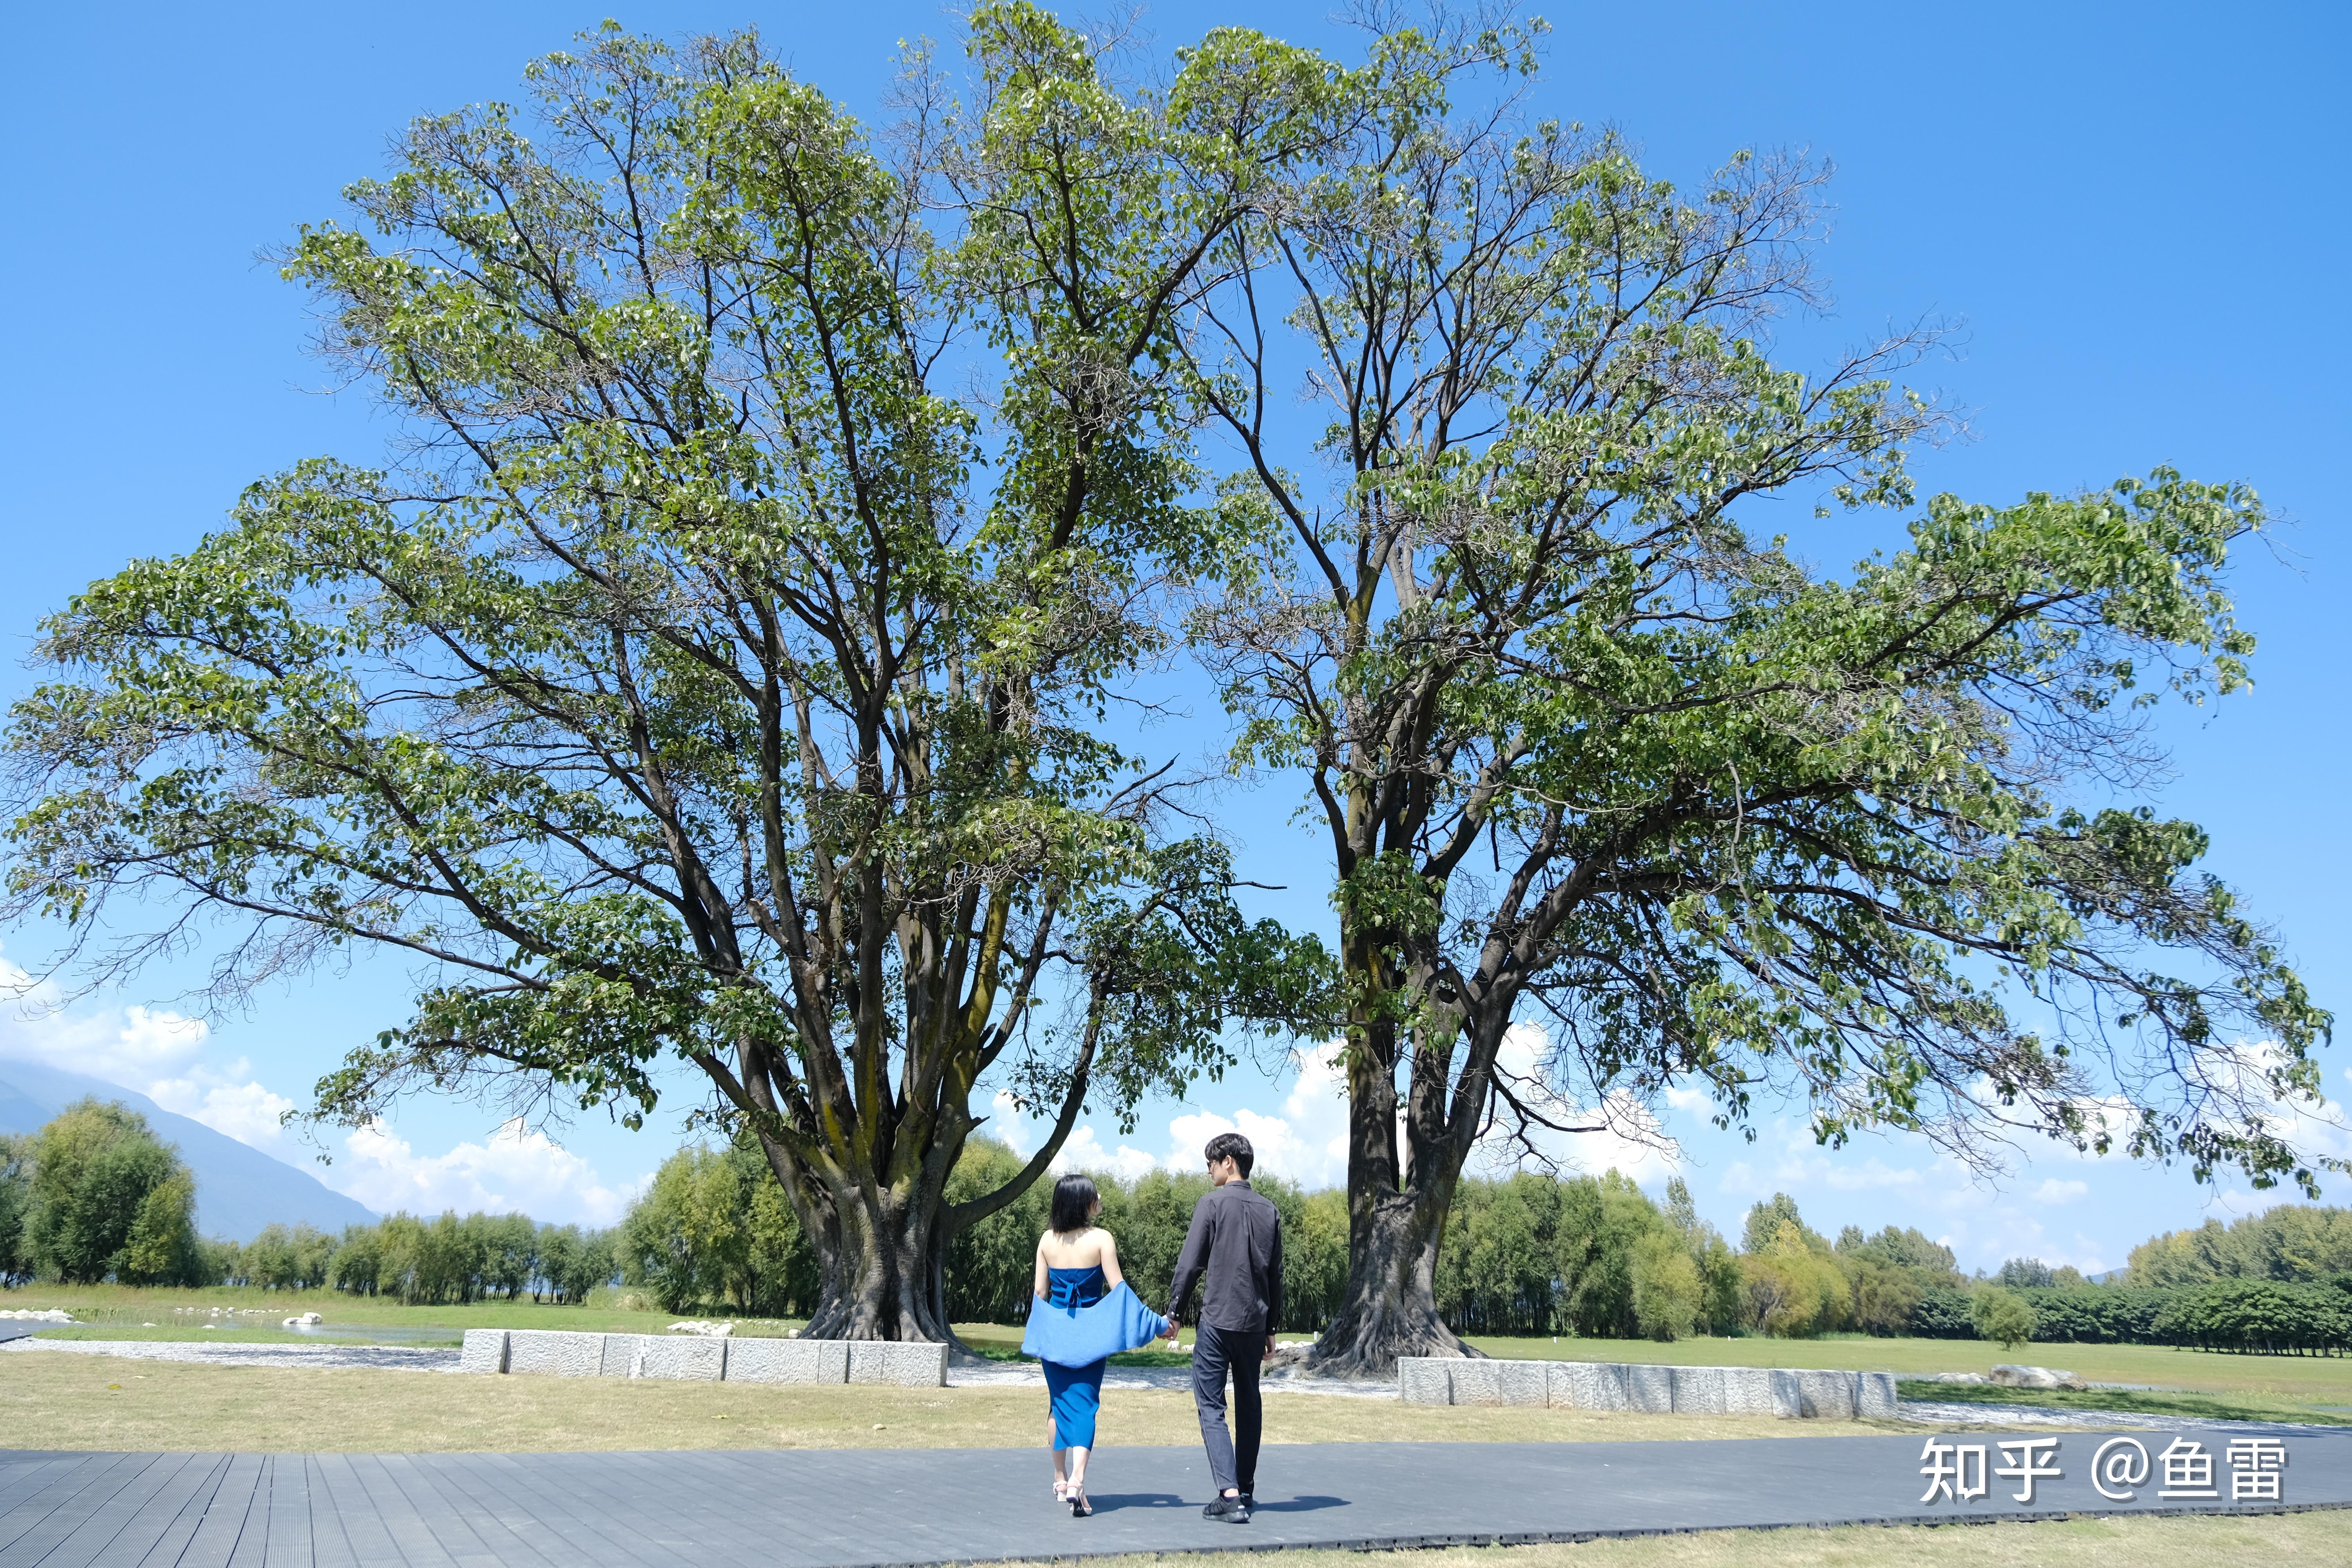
[(1074, 1204)]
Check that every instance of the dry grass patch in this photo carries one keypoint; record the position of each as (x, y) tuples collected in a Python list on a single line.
[(58, 1399), (2276, 1540)]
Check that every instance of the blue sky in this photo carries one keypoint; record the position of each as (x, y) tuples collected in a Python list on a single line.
[(2135, 211)]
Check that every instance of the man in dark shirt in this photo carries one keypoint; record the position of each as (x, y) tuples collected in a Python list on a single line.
[(1235, 1247)]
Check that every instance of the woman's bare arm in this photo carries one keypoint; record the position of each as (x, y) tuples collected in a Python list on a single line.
[(1111, 1260), (1037, 1280)]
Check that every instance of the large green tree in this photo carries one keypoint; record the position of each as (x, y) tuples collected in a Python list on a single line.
[(108, 1200), (1589, 753), (721, 672)]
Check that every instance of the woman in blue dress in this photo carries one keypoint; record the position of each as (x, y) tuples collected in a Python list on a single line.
[(1077, 1265)]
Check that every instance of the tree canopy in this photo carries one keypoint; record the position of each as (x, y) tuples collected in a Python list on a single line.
[(107, 1200), (721, 673), (1589, 751)]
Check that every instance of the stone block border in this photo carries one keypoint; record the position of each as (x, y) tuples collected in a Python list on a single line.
[(558, 1353), (1801, 1394)]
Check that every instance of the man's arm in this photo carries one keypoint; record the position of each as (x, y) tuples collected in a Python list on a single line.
[(1190, 1262), (1274, 1284)]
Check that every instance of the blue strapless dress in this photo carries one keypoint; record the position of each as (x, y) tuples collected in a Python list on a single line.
[(1074, 1332)]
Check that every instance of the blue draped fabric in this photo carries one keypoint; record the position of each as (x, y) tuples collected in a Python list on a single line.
[(1079, 1325), (1080, 1320)]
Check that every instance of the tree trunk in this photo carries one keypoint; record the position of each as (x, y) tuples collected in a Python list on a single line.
[(1398, 1199), (1389, 1306), (1396, 1206), (879, 1249)]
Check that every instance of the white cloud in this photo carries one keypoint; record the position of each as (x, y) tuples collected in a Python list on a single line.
[(2053, 1192), (159, 1053), (232, 1103), (1631, 1140), (1691, 1101), (1279, 1147), (1009, 1126), (517, 1170), (1307, 1144), (1083, 1150)]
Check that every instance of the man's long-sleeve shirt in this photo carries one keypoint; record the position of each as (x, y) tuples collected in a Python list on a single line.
[(1235, 1246)]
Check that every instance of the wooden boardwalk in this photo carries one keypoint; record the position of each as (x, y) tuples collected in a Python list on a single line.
[(847, 1509)]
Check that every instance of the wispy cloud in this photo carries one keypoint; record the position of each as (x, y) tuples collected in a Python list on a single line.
[(158, 1053), (517, 1170)]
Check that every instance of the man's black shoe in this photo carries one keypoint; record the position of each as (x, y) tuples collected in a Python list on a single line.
[(1218, 1507)]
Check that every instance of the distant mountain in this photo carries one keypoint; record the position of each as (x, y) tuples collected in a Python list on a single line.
[(239, 1189)]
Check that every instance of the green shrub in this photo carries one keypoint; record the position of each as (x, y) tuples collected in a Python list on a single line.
[(2001, 1315)]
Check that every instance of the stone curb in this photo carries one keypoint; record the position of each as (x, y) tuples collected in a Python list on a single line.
[(555, 1353), (1789, 1394)]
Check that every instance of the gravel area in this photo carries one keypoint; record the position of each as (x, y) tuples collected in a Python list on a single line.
[(398, 1358)]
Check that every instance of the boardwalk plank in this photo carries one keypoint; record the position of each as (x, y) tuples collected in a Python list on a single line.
[(478, 1483), (57, 1482), (79, 1506), (474, 1536), (24, 1476), (27, 1487), (836, 1508), (341, 1535), (252, 1548), (287, 1543), (235, 1506), (411, 1534), (597, 1529), (675, 1508), (159, 1532)]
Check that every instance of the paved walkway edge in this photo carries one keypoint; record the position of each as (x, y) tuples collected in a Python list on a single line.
[(913, 1508)]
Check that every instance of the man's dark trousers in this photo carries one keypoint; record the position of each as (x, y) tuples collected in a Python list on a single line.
[(1232, 1458)]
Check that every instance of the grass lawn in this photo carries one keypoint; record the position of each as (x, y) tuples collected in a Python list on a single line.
[(2268, 1388), (59, 1399), (122, 1312), (2300, 1379), (2294, 1539)]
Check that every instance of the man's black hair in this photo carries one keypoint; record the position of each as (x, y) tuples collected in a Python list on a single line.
[(1234, 1147), (1074, 1204)]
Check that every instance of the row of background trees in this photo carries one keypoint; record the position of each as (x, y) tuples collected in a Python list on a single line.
[(94, 1195), (1539, 1254)]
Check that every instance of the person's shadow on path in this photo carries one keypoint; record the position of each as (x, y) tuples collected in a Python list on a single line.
[(1111, 1502)]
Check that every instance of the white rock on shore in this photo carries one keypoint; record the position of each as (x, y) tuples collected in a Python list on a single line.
[(2009, 1375)]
